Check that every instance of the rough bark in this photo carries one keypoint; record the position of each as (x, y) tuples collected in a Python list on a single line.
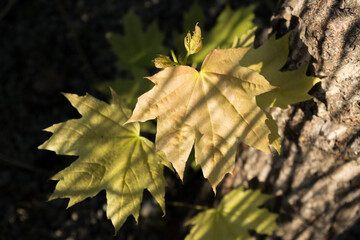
[(316, 178)]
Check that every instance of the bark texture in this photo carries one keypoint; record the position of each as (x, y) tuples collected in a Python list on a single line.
[(316, 179)]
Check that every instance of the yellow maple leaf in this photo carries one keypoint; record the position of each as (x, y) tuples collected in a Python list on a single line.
[(211, 109)]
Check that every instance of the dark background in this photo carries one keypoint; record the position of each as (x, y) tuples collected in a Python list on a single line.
[(48, 47)]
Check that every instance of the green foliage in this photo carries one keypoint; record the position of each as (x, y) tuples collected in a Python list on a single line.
[(163, 61), (194, 15), (193, 43), (128, 89), (135, 51), (111, 157), (292, 86), (237, 213), (229, 25), (210, 109), (136, 48)]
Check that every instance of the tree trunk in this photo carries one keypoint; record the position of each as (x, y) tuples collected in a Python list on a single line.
[(316, 178)]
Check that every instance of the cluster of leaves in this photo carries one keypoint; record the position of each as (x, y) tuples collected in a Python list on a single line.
[(210, 109), (135, 50), (141, 47)]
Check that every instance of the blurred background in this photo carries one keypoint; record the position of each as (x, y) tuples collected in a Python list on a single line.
[(49, 47)]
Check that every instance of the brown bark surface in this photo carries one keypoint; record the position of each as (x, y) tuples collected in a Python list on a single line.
[(316, 178)]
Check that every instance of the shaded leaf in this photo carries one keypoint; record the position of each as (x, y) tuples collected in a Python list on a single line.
[(229, 24), (237, 213), (268, 59), (193, 16), (128, 89), (112, 157), (245, 40), (135, 51), (211, 109), (136, 48)]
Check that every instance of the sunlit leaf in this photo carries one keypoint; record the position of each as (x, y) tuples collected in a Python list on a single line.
[(193, 16), (112, 157), (163, 61), (212, 109), (268, 59), (193, 43), (237, 213)]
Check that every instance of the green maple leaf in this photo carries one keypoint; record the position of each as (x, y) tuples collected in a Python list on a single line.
[(210, 109), (136, 48), (292, 86), (230, 24), (135, 51), (111, 157), (128, 89), (237, 213)]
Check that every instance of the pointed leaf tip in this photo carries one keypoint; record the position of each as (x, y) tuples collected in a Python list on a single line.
[(193, 43)]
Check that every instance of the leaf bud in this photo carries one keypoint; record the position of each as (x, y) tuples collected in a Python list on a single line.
[(163, 62), (193, 43)]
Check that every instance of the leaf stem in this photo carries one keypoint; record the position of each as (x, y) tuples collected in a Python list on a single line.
[(186, 58), (173, 56), (187, 205)]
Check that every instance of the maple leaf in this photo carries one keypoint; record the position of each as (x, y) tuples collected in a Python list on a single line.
[(292, 86), (111, 157), (211, 109), (136, 48), (128, 89), (237, 213)]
